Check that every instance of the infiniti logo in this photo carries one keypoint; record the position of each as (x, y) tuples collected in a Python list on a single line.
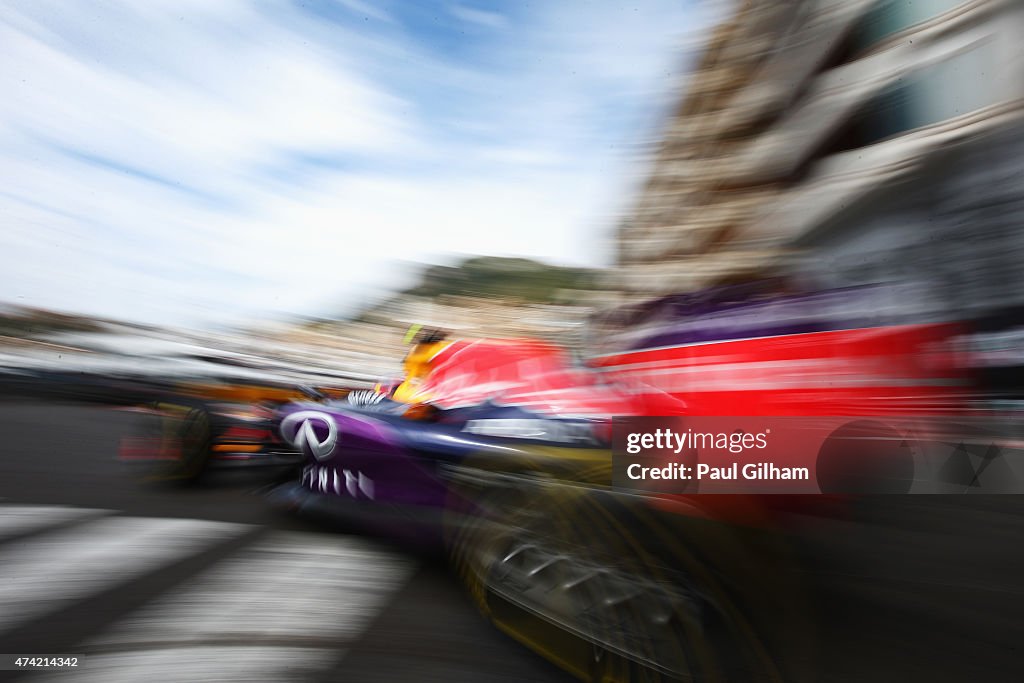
[(299, 429)]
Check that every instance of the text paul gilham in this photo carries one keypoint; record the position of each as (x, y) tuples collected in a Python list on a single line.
[(753, 471)]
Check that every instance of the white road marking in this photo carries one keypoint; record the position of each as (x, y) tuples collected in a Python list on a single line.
[(21, 519), (282, 609), (289, 586), (55, 569), (299, 596)]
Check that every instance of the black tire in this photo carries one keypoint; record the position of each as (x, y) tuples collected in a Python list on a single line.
[(613, 592), (196, 440), (185, 425)]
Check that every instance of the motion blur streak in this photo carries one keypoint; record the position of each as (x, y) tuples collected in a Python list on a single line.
[(278, 609), (16, 520), (270, 590), (825, 225), (294, 151), (43, 574)]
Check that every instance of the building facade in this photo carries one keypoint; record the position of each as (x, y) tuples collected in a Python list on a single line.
[(818, 126)]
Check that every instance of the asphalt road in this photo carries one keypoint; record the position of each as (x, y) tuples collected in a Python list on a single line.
[(920, 587), (366, 611), (177, 583)]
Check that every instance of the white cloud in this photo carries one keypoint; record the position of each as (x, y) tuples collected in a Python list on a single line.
[(478, 17), (365, 9), (169, 161), (238, 101)]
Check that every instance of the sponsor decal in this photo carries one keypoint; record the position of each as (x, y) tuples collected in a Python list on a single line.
[(541, 430), (300, 429), (340, 482)]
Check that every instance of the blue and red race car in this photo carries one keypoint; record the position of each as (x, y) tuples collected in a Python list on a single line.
[(502, 406), (500, 451)]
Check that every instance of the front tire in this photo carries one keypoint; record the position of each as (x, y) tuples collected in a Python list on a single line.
[(196, 439), (612, 592)]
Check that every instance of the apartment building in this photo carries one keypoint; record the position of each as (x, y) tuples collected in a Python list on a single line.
[(877, 135)]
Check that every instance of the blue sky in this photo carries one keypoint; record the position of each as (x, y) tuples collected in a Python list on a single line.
[(195, 162)]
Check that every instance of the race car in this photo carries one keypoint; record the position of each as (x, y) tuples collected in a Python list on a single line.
[(516, 407), (498, 451), (190, 429)]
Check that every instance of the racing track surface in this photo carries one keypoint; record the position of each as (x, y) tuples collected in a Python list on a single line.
[(171, 583)]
